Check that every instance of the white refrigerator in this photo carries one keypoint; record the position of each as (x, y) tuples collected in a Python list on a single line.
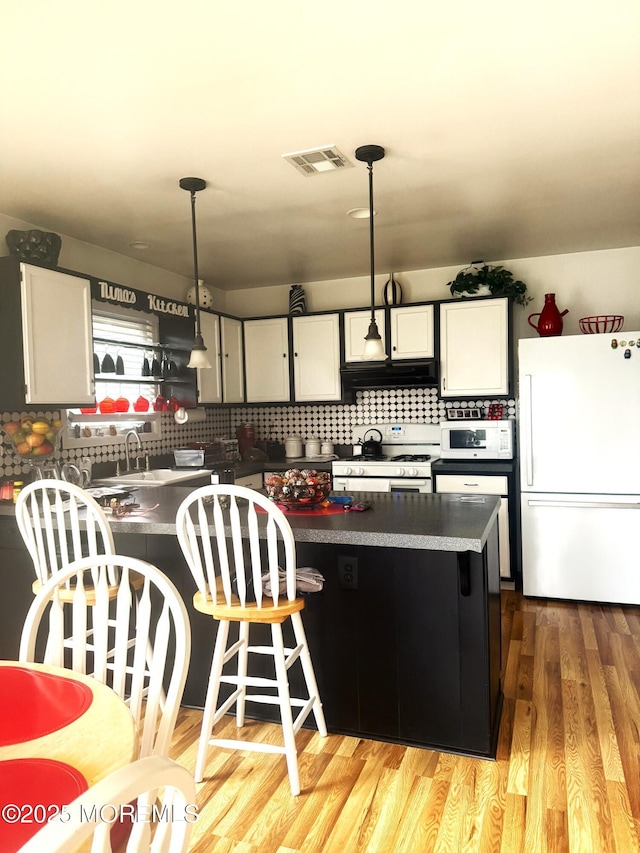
[(579, 448)]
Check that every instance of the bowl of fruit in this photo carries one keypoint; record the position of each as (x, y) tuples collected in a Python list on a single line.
[(33, 437), (297, 488)]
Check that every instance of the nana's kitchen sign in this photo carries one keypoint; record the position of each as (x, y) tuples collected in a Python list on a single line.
[(116, 294)]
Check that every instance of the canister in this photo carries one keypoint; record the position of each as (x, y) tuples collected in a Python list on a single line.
[(293, 447), (312, 448), (246, 435)]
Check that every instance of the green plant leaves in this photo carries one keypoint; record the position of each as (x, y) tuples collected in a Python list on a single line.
[(499, 280)]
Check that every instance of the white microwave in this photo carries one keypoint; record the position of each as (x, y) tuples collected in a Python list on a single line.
[(476, 439)]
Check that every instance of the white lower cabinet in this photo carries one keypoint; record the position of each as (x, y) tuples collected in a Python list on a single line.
[(484, 484), (266, 359), (251, 481), (316, 357)]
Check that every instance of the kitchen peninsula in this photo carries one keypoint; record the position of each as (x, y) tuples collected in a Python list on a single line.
[(405, 635)]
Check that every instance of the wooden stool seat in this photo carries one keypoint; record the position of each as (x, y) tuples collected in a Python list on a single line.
[(235, 612), (66, 595)]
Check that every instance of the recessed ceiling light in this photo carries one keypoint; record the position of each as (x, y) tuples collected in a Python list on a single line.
[(140, 244), (360, 212)]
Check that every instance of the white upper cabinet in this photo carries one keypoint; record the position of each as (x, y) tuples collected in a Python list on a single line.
[(266, 358), (411, 332), (209, 384), (56, 337), (316, 357), (474, 342), (356, 326), (232, 360)]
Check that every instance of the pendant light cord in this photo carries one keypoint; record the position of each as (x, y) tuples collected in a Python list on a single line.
[(371, 245), (195, 259)]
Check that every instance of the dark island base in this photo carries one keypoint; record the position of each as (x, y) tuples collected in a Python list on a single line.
[(410, 655), (405, 641)]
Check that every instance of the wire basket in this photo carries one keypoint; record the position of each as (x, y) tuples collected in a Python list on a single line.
[(601, 323)]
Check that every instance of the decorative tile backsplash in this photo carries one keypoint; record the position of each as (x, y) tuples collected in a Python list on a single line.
[(329, 421)]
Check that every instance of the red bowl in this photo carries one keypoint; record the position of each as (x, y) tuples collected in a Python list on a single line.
[(600, 324)]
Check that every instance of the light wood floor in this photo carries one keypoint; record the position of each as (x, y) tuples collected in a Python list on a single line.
[(566, 776)]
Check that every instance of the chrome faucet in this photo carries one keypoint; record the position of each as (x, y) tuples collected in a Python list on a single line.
[(70, 473), (126, 447)]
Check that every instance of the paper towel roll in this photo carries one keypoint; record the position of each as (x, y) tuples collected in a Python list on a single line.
[(191, 416)]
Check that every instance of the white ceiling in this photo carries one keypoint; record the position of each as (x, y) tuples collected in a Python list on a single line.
[(511, 130)]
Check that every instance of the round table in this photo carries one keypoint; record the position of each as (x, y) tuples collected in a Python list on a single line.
[(93, 733)]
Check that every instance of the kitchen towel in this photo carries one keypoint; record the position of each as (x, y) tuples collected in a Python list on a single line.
[(308, 579)]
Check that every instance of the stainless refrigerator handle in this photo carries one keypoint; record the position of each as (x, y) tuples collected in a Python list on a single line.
[(528, 429), (586, 504)]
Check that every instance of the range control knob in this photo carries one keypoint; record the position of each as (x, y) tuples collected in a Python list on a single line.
[(359, 472), (399, 472), (412, 472), (347, 471)]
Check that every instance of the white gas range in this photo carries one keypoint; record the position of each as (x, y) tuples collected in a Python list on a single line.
[(402, 462)]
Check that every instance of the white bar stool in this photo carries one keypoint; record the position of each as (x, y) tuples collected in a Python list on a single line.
[(211, 528)]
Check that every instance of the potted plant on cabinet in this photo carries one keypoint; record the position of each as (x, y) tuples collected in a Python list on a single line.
[(482, 279)]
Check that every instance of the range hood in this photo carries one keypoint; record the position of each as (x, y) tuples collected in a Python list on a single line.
[(362, 375)]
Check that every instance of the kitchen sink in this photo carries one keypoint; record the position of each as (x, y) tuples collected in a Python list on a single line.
[(159, 477)]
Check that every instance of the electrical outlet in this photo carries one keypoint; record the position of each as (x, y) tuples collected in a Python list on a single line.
[(348, 572)]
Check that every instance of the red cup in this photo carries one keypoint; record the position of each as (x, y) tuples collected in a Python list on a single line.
[(121, 404), (160, 404), (107, 406)]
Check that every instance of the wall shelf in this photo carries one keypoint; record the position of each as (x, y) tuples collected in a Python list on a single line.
[(142, 380), (109, 429)]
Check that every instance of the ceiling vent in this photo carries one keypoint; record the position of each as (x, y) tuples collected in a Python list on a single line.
[(317, 160)]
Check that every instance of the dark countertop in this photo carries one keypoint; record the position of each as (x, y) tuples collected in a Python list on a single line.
[(432, 522), (473, 466), (395, 520)]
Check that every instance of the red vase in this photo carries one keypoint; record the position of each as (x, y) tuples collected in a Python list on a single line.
[(549, 319)]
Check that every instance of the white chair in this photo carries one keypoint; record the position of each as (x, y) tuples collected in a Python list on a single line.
[(210, 528), (134, 647), (156, 793), (59, 523)]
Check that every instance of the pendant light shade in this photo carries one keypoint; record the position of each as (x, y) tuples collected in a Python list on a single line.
[(374, 346), (198, 351)]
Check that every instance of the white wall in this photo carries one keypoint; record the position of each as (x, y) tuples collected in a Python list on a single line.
[(602, 282), (92, 260)]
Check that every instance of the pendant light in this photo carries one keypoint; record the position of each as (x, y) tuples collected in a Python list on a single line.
[(374, 346), (198, 351)]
